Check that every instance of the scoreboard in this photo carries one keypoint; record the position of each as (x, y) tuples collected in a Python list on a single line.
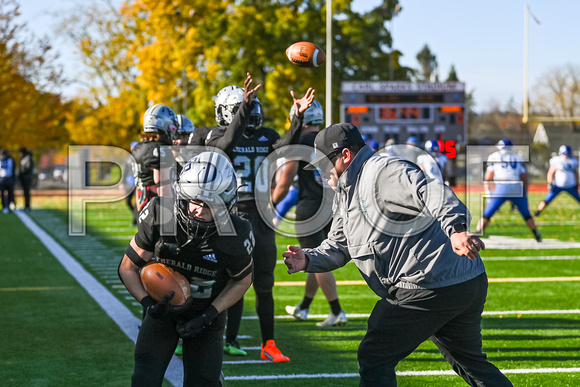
[(398, 110)]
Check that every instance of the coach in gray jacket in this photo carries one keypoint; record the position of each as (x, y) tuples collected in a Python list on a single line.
[(407, 234)]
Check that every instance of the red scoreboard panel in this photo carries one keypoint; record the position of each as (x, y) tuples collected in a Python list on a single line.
[(398, 110)]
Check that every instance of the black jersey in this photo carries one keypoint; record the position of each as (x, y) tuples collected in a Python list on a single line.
[(208, 263), (147, 156)]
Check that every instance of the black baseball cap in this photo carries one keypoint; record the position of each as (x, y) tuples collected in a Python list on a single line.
[(332, 140)]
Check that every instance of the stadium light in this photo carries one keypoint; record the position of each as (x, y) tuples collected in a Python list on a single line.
[(328, 62)]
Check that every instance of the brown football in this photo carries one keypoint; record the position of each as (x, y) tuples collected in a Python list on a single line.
[(158, 280), (305, 54)]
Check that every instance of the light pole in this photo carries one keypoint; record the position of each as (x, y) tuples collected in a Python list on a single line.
[(328, 62), (392, 66), (525, 115)]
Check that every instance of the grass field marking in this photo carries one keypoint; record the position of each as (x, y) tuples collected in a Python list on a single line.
[(536, 258), (35, 289), (485, 313), (120, 314), (514, 279), (247, 362), (400, 373)]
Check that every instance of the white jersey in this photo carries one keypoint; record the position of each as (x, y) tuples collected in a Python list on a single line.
[(430, 166), (506, 168), (565, 176)]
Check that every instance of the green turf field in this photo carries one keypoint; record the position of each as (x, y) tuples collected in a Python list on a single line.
[(54, 334)]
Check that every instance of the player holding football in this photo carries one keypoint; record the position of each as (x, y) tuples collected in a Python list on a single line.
[(562, 177), (159, 128), (217, 266), (508, 173)]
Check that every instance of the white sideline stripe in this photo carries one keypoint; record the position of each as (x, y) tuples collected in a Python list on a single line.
[(485, 313), (120, 314), (400, 373)]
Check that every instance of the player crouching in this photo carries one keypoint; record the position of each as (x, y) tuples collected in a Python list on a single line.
[(212, 249)]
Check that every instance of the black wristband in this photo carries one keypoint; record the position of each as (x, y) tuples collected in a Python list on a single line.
[(147, 301), (458, 227), (210, 313)]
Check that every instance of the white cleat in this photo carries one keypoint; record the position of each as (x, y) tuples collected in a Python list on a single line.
[(299, 314), (334, 320)]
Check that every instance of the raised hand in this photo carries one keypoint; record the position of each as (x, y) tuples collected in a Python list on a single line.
[(249, 93), (300, 105)]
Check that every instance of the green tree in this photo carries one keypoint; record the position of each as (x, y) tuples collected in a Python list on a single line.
[(182, 52), (452, 77), (31, 116), (427, 62)]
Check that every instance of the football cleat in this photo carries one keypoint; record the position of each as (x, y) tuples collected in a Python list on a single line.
[(272, 353), (179, 349), (334, 319), (537, 236), (299, 314), (233, 348)]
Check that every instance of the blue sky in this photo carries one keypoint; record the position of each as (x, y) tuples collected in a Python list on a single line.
[(483, 39)]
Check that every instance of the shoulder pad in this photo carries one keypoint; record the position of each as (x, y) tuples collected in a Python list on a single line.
[(237, 245)]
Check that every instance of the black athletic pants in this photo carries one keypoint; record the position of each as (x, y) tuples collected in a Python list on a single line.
[(202, 354), (449, 316)]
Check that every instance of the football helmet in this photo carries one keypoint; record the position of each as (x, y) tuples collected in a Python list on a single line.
[(432, 147), (160, 119), (314, 115), (185, 125), (565, 150), (209, 178), (227, 103), (505, 145), (412, 140), (255, 120)]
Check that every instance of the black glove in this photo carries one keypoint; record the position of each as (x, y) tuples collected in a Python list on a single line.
[(188, 329), (157, 309), (178, 312)]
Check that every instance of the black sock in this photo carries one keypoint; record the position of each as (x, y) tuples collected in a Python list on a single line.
[(305, 304), (265, 310), (335, 307), (234, 313)]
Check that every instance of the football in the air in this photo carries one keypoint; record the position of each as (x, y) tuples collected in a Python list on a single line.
[(158, 280), (305, 54)]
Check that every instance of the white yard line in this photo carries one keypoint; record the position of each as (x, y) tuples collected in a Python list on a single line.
[(400, 373), (120, 314)]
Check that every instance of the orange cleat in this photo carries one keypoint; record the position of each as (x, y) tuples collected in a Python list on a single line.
[(272, 353)]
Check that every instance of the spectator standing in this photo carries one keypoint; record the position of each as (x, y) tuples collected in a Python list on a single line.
[(26, 174), (6, 179)]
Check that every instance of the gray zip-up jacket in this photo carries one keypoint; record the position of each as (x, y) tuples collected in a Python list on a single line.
[(395, 224)]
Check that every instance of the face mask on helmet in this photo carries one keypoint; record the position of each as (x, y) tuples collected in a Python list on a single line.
[(208, 178), (565, 150), (505, 145), (227, 103), (314, 115), (432, 147), (255, 119), (161, 119), (186, 127)]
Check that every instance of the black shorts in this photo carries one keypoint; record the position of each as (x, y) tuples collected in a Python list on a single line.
[(265, 251), (305, 210)]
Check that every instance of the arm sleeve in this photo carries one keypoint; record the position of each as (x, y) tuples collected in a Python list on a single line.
[(293, 134), (234, 131), (419, 196), (332, 252), (148, 232)]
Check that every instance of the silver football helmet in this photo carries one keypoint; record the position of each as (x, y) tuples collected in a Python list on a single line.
[(209, 178), (160, 119), (314, 115), (186, 126), (227, 103)]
